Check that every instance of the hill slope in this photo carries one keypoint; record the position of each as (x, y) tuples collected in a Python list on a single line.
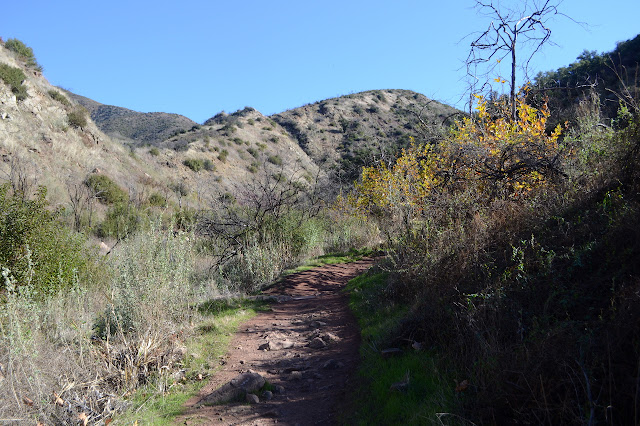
[(350, 131), (128, 125)]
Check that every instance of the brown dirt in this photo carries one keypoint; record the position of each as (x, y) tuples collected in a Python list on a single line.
[(313, 390)]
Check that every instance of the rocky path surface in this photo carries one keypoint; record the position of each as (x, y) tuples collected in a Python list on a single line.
[(306, 347)]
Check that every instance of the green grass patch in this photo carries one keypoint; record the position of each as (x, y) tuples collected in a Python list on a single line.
[(352, 255), (428, 391), (210, 341)]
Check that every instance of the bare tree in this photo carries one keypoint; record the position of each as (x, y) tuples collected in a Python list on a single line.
[(510, 32), (258, 205), (22, 176)]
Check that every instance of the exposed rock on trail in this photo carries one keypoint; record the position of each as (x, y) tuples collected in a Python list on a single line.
[(306, 347)]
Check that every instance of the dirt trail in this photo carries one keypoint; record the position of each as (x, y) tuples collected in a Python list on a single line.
[(313, 342)]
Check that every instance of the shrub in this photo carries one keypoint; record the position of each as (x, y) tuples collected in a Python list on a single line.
[(254, 152), (14, 77), (57, 96), (158, 200), (154, 151), (24, 52), (77, 118), (253, 167), (194, 164), (208, 165), (223, 155), (105, 189), (275, 159), (121, 220), (36, 248)]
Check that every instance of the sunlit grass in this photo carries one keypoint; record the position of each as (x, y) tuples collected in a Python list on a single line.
[(209, 342), (352, 255)]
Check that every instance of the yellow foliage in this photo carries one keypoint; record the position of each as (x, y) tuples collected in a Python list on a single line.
[(491, 151)]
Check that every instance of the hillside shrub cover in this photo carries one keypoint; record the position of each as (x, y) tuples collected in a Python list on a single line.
[(57, 96), (24, 52), (516, 251)]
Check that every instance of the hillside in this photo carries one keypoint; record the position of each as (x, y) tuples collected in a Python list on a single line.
[(339, 135), (41, 140), (48, 140), (131, 126), (610, 76), (350, 131)]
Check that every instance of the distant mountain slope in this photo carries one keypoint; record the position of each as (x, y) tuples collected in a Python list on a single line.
[(140, 127)]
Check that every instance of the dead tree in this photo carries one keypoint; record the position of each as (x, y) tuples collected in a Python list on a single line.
[(510, 32)]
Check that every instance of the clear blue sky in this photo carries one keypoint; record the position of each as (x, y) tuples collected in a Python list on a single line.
[(197, 58)]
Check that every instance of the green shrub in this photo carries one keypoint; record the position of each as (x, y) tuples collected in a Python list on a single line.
[(223, 155), (208, 165), (158, 200), (194, 164), (254, 152), (77, 118), (105, 189), (36, 248), (154, 151), (253, 167), (57, 96), (14, 77), (275, 159), (24, 52), (122, 219)]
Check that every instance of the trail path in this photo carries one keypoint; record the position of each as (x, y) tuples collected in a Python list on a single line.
[(309, 353)]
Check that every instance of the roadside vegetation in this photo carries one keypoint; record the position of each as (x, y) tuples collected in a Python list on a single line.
[(91, 336), (512, 265)]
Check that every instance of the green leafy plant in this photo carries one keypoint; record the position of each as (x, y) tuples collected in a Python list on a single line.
[(122, 219), (36, 248), (14, 77), (194, 164), (105, 189), (275, 159)]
